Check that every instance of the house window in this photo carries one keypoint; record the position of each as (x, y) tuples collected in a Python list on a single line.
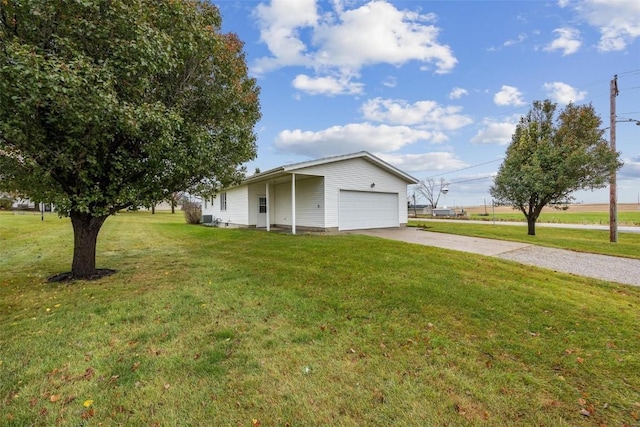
[(223, 201), (262, 205)]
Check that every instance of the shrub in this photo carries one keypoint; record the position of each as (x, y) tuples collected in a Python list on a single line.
[(192, 212), (5, 203)]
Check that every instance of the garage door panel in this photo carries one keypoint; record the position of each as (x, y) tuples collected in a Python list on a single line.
[(364, 209)]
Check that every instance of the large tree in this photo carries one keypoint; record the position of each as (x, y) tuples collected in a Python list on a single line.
[(552, 156), (106, 104)]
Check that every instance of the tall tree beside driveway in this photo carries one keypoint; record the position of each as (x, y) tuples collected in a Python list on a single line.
[(111, 104), (552, 156)]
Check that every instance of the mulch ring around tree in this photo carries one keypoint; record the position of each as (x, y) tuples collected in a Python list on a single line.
[(68, 276)]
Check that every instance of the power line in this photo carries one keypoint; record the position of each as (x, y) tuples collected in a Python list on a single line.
[(465, 168), (471, 179), (445, 184)]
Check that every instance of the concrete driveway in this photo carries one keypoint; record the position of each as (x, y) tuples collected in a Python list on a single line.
[(603, 267), (476, 245)]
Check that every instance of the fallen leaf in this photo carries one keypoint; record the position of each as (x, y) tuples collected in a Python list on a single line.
[(88, 414), (166, 386), (585, 413), (582, 401), (135, 366), (580, 360), (255, 423), (43, 412), (87, 403), (54, 398), (88, 374)]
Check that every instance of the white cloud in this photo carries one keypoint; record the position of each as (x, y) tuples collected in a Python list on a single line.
[(280, 24), (326, 85), (457, 93), (631, 168), (434, 161), (496, 132), (511, 42), (423, 114), (562, 93), (351, 138), (617, 20), (390, 82), (377, 32), (568, 41), (342, 41), (508, 95)]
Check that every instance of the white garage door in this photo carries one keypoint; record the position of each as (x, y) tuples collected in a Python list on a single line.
[(365, 209)]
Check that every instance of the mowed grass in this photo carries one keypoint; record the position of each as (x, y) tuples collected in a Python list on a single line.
[(204, 326), (629, 218), (580, 240)]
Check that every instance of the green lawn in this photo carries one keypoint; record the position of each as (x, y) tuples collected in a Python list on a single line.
[(629, 218), (592, 241), (205, 326)]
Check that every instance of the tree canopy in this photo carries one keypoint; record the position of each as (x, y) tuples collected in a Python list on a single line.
[(111, 104), (552, 156)]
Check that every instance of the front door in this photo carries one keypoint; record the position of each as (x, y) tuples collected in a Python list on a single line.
[(262, 212)]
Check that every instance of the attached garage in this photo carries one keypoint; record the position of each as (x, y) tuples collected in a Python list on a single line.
[(347, 192), (367, 209)]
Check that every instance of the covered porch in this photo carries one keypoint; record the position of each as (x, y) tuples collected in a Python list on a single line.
[(286, 200)]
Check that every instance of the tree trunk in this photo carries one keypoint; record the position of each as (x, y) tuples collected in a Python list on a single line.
[(85, 237), (173, 206), (153, 209), (531, 226)]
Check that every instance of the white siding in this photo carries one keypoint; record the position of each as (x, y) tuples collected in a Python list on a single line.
[(357, 175), (236, 213), (309, 202), (256, 191), (281, 204)]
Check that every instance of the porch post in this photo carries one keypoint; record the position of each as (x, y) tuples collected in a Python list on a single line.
[(293, 203), (268, 209)]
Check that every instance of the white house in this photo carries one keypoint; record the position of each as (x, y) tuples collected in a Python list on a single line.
[(347, 192)]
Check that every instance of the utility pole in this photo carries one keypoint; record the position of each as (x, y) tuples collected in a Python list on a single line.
[(613, 190)]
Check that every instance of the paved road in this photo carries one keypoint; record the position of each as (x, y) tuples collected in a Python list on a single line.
[(613, 269)]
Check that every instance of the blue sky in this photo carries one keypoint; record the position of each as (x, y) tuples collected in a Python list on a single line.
[(435, 87)]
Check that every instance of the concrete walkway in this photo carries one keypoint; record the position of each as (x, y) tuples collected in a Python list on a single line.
[(609, 268)]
